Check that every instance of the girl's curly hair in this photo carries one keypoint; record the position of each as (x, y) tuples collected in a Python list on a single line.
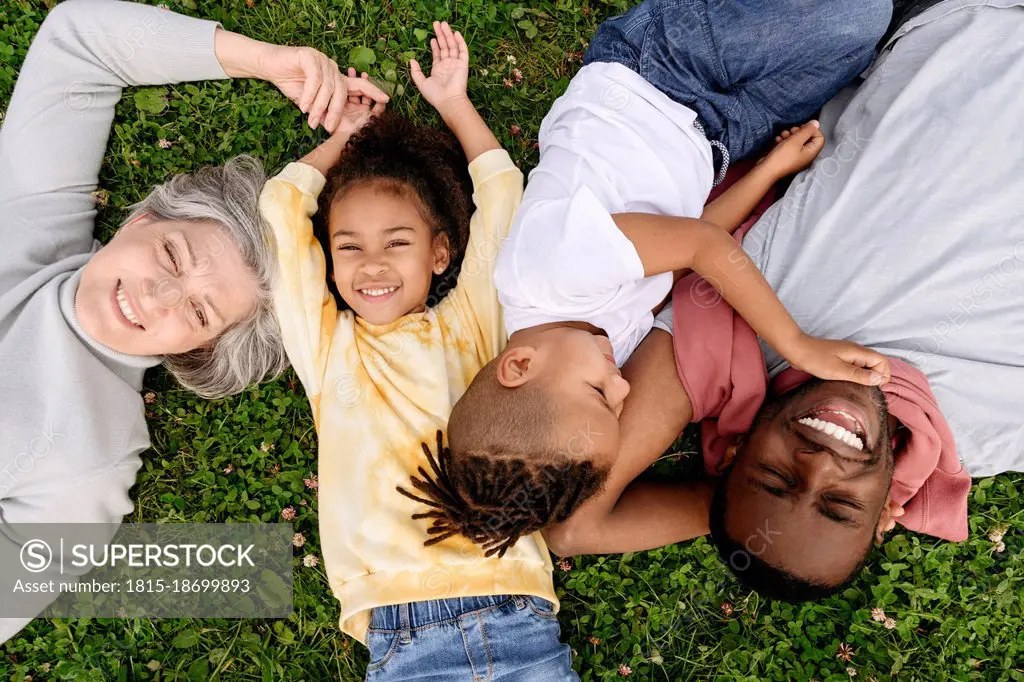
[(427, 161)]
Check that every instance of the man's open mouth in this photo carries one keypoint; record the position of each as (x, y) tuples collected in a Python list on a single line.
[(838, 424)]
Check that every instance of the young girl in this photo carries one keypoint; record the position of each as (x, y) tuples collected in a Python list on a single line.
[(384, 364)]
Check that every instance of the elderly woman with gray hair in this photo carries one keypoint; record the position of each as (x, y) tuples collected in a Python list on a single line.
[(185, 282)]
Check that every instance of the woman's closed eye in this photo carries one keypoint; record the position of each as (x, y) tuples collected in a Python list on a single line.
[(172, 256), (200, 314), (349, 247), (397, 242)]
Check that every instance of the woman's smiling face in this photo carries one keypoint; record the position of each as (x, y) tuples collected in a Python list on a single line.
[(163, 287)]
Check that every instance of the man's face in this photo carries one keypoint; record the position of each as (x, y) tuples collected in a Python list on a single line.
[(807, 489)]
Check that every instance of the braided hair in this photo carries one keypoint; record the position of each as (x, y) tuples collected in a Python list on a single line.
[(494, 500)]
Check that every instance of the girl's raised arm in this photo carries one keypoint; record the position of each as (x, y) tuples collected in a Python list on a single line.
[(445, 89)]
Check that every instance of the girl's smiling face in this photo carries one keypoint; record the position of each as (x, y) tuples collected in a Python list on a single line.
[(384, 253)]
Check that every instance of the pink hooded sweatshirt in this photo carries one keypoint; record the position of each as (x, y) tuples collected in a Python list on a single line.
[(722, 368)]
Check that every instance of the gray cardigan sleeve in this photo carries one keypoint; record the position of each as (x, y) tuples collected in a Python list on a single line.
[(56, 127)]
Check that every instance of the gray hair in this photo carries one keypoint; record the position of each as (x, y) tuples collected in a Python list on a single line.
[(251, 350)]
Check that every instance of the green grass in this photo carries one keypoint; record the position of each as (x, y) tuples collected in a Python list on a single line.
[(957, 607)]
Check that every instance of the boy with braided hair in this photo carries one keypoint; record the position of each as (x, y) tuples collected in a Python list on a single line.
[(613, 214)]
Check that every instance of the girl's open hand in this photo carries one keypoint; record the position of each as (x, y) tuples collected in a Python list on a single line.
[(839, 361), (795, 149), (313, 81), (449, 72)]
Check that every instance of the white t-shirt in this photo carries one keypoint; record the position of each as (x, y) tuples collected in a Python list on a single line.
[(613, 143)]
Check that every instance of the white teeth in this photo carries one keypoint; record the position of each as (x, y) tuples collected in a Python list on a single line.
[(377, 292), (122, 302), (834, 430)]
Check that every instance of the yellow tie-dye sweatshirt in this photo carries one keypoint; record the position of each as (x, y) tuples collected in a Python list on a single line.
[(377, 392)]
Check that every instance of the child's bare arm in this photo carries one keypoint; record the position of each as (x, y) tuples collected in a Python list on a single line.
[(445, 89), (470, 129), (733, 206), (796, 149), (646, 515), (668, 244), (326, 156)]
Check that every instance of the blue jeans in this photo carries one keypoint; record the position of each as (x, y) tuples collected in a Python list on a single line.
[(748, 68), (476, 639)]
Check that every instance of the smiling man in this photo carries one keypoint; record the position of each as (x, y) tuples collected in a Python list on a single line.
[(818, 463), (904, 236)]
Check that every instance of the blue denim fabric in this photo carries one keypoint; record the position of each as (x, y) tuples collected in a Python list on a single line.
[(476, 639), (748, 68)]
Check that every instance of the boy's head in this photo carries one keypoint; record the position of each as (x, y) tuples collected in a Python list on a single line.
[(533, 436), (394, 218), (806, 492)]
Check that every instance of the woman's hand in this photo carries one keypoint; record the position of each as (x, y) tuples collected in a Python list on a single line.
[(313, 81), (449, 73), (839, 361), (307, 77), (794, 150)]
